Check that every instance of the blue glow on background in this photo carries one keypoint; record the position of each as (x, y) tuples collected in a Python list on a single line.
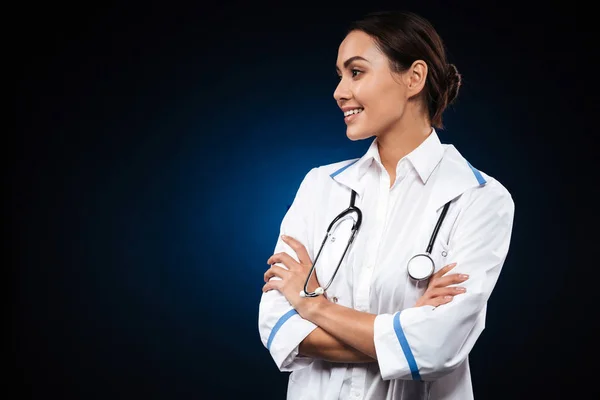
[(155, 163)]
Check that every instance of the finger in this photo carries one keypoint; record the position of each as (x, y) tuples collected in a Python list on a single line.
[(298, 248), (283, 258), (450, 280), (271, 285), (275, 271), (443, 271), (434, 301), (438, 301), (446, 291)]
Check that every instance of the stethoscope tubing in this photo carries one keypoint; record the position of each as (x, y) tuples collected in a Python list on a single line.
[(355, 227)]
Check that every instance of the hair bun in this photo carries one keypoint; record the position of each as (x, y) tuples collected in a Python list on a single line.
[(453, 82)]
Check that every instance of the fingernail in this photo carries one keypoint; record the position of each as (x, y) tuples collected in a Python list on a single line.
[(464, 276), (284, 237), (447, 297), (460, 289)]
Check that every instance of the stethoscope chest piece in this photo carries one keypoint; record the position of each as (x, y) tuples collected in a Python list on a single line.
[(421, 267)]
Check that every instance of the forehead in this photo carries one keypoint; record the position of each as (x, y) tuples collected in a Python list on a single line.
[(358, 43)]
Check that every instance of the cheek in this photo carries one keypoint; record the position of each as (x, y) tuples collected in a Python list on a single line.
[(387, 109), (382, 101), (383, 112), (392, 100)]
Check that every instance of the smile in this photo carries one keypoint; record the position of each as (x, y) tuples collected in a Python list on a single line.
[(351, 115), (355, 111)]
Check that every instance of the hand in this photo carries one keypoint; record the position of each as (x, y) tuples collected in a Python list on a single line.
[(292, 280), (438, 292)]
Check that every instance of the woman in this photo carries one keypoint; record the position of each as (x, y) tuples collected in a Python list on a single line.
[(377, 332)]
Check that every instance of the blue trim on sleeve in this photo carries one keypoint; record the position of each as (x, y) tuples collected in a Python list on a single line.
[(343, 169), (279, 324), (414, 369), (478, 175)]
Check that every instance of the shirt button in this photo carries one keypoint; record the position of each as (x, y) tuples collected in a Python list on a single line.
[(369, 266), (334, 299)]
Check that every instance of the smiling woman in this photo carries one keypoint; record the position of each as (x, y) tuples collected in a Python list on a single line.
[(376, 62), (372, 329)]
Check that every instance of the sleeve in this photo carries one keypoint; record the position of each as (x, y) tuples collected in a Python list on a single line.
[(281, 328), (426, 343)]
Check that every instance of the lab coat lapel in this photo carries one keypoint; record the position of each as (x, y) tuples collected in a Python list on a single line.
[(454, 176), (348, 176)]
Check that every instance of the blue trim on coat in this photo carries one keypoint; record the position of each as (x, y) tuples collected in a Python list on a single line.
[(477, 174), (278, 325), (342, 169), (412, 363)]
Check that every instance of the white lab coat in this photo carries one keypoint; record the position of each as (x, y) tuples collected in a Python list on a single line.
[(422, 352)]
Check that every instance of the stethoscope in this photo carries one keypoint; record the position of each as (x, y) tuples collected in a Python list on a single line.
[(420, 266)]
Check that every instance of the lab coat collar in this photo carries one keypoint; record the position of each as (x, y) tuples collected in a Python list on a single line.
[(452, 173), (453, 176), (350, 174)]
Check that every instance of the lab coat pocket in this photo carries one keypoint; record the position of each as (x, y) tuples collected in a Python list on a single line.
[(443, 254), (439, 254)]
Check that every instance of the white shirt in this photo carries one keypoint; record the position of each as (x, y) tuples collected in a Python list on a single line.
[(422, 352)]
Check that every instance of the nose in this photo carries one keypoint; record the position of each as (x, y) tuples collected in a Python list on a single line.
[(342, 92)]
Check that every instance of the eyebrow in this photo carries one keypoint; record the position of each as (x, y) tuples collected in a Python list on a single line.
[(348, 61)]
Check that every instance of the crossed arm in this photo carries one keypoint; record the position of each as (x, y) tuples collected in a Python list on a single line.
[(343, 334), (321, 345), (421, 342)]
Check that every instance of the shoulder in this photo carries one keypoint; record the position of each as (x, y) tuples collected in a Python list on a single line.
[(492, 197), (323, 174), (333, 169), (490, 193), (318, 181)]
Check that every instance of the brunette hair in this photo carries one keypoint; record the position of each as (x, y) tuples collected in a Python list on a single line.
[(405, 37)]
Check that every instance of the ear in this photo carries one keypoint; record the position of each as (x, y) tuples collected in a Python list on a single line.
[(416, 76)]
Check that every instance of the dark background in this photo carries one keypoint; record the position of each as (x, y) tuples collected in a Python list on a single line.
[(158, 146)]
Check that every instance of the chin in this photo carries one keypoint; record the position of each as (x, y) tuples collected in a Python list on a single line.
[(356, 134)]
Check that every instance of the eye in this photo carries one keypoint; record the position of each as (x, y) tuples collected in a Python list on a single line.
[(354, 72)]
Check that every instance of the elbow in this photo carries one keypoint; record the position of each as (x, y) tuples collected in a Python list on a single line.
[(447, 359), (263, 329), (440, 368)]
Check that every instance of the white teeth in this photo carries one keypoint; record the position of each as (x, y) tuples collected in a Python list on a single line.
[(350, 112)]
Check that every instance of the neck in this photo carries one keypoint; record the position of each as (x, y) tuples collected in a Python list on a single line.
[(406, 136)]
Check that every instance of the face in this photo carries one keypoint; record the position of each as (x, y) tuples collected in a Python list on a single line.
[(374, 95)]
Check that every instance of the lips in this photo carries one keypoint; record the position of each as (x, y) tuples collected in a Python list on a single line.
[(351, 116)]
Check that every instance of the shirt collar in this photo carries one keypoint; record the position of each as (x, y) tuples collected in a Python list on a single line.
[(424, 158), (427, 156), (363, 164)]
